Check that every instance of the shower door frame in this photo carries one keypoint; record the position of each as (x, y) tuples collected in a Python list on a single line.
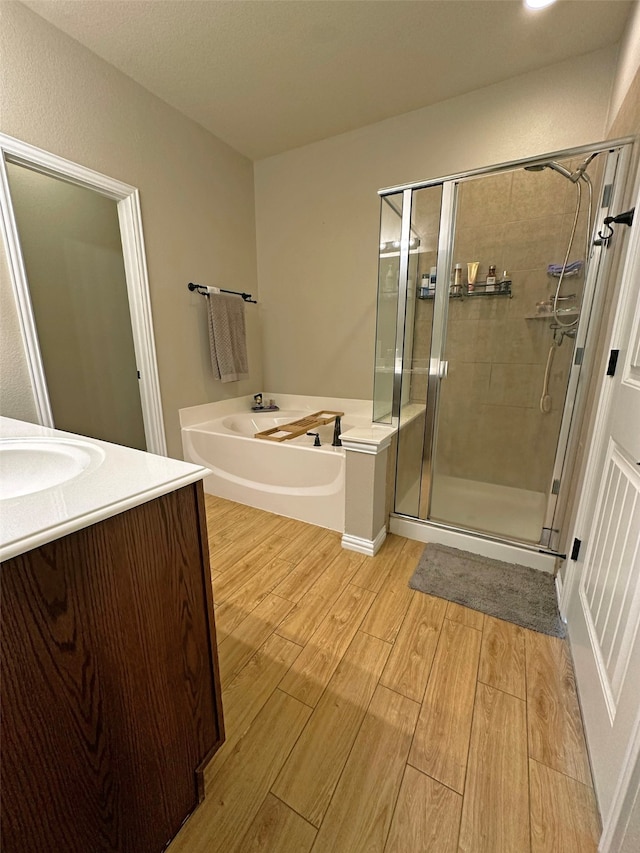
[(600, 262), (580, 369)]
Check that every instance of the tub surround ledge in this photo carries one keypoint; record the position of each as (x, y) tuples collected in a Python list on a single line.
[(373, 440), (365, 525)]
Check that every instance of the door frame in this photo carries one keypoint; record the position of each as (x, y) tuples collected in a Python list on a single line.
[(628, 785), (136, 274), (599, 267)]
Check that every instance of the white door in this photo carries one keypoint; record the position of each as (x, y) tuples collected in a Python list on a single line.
[(603, 591)]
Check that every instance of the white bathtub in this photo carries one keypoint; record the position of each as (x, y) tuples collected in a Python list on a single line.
[(292, 478)]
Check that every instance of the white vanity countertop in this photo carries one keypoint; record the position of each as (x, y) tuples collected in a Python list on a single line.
[(115, 479)]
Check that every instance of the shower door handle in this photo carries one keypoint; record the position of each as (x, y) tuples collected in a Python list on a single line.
[(439, 368)]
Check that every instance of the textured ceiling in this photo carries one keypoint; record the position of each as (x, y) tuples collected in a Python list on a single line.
[(269, 75)]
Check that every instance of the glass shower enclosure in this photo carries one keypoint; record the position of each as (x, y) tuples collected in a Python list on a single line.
[(488, 285)]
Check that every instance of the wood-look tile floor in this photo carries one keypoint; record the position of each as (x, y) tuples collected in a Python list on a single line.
[(365, 716)]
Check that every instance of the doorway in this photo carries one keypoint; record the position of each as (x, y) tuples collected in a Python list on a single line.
[(70, 241), (76, 255)]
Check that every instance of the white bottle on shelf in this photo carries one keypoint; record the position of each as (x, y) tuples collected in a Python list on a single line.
[(432, 281), (491, 279)]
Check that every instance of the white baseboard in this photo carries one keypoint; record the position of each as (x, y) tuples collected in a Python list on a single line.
[(423, 531), (364, 546)]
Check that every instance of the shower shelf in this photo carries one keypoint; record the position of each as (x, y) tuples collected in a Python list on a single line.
[(550, 316), (474, 293)]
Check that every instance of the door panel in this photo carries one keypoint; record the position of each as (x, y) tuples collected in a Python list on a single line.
[(603, 588), (495, 446), (417, 386)]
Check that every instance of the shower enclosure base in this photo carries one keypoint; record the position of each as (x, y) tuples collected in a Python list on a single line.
[(427, 531), (489, 508)]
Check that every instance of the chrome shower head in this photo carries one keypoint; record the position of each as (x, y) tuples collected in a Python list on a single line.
[(551, 164)]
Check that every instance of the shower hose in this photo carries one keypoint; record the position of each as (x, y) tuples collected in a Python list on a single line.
[(545, 399)]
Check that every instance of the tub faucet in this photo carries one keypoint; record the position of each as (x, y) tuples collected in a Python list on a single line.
[(337, 429), (316, 443)]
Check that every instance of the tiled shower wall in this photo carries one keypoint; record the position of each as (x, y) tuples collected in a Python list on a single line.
[(490, 426)]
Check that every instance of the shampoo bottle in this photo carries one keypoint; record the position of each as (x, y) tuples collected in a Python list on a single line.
[(424, 286), (457, 280), (491, 279), (432, 280)]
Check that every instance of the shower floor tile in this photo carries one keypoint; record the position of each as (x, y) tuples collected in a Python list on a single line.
[(488, 507)]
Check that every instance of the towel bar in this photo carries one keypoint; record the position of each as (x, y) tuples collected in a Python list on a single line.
[(204, 290)]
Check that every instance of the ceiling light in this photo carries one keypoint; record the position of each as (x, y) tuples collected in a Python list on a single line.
[(538, 4)]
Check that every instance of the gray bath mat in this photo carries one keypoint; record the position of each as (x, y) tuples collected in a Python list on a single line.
[(513, 593)]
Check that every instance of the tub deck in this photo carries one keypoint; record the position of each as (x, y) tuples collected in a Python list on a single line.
[(291, 478)]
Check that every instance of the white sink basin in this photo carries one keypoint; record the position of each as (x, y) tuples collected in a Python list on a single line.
[(29, 465)]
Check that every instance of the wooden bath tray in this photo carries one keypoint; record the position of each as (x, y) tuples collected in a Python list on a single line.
[(299, 427)]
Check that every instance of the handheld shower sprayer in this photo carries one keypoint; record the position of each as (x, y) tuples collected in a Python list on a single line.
[(574, 177), (578, 177), (550, 164), (580, 172)]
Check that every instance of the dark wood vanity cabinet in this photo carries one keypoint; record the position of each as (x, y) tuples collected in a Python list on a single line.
[(110, 694)]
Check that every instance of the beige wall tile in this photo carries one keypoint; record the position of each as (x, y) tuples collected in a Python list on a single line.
[(515, 385), (520, 341), (507, 445), (485, 199), (528, 288), (482, 241), (425, 213), (530, 243), (536, 194), (470, 341), (422, 328), (418, 393), (479, 308), (410, 450)]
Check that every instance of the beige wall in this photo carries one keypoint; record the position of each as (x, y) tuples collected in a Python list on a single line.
[(626, 68), (317, 211), (196, 195), (316, 207)]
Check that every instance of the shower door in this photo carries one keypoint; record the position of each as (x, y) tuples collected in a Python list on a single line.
[(487, 372)]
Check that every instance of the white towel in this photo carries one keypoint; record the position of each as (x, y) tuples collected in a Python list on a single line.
[(227, 337)]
